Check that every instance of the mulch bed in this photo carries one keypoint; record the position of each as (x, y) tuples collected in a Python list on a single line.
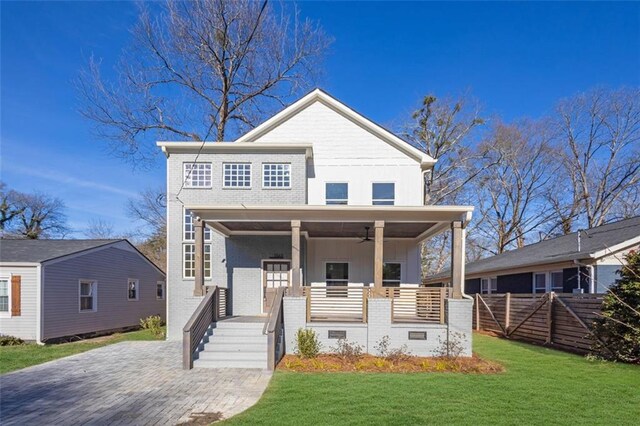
[(371, 364)]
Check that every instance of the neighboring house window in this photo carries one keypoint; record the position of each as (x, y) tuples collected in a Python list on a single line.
[(383, 194), (540, 282), (88, 296), (4, 296), (197, 175), (189, 257), (489, 285), (391, 273), (160, 290), (337, 193), (557, 279), (337, 275), (276, 175), (236, 175), (133, 289), (189, 229)]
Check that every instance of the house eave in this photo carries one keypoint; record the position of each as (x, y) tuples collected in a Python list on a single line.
[(170, 147)]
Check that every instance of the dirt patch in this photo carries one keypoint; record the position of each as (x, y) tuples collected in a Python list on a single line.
[(373, 364), (202, 419)]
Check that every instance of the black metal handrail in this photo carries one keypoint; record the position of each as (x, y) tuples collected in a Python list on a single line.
[(274, 329)]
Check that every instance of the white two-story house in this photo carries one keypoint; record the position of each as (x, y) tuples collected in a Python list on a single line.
[(313, 219)]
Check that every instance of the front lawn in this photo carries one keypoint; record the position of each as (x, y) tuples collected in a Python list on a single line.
[(540, 386), (17, 357)]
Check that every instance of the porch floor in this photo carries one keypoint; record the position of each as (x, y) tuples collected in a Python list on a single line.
[(252, 319)]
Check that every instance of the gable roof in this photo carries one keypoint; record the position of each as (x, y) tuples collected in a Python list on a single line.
[(319, 95), (594, 244), (38, 251)]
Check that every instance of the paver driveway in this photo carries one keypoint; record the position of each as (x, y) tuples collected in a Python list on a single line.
[(132, 383)]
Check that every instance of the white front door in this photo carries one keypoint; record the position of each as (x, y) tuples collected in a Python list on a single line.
[(275, 273)]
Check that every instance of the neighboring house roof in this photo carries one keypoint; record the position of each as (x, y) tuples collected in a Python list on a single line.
[(38, 251), (319, 95), (594, 244)]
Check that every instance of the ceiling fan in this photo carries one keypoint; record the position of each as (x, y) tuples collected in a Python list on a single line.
[(366, 236)]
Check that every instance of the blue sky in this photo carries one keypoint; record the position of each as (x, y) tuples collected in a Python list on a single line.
[(517, 58)]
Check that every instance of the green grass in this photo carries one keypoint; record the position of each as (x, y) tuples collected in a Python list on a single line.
[(540, 386), (17, 357)]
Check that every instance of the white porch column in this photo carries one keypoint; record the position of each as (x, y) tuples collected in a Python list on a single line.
[(295, 257), (198, 226), (457, 258), (378, 257)]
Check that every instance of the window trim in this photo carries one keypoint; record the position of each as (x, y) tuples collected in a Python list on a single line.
[(489, 286), (326, 200), (162, 286), (546, 282), (8, 313), (137, 283), (94, 296), (229, 163), (338, 261), (551, 287), (276, 164), (401, 273), (206, 277), (393, 200), (187, 182)]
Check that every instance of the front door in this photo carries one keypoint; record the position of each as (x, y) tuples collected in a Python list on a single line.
[(275, 273)]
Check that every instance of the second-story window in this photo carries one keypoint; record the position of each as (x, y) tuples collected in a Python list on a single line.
[(383, 194), (276, 175), (197, 175), (337, 193), (236, 175)]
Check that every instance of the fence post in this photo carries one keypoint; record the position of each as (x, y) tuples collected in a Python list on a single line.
[(507, 312), (550, 318), (308, 317), (477, 313)]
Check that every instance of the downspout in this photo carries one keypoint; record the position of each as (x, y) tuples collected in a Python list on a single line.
[(591, 270)]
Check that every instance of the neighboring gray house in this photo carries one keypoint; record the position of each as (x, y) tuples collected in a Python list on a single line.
[(552, 265), (322, 202), (51, 289)]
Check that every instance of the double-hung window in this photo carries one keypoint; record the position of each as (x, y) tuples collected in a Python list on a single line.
[(160, 290), (489, 285), (88, 296), (391, 273), (236, 175), (189, 260), (337, 193), (383, 194), (276, 175), (133, 289), (4, 296), (197, 175), (540, 282), (557, 279)]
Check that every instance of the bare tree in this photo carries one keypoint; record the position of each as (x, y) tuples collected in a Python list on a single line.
[(10, 206), (511, 191), (201, 68), (41, 216), (100, 229), (150, 208), (599, 135)]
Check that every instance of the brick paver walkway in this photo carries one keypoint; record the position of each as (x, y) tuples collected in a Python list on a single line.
[(128, 383)]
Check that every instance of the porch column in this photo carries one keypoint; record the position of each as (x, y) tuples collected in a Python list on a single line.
[(295, 257), (457, 258), (378, 257), (198, 226)]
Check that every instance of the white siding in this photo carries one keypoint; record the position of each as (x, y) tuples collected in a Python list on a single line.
[(23, 326), (343, 151), (360, 258)]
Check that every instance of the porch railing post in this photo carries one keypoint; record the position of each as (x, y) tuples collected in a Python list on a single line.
[(295, 257), (457, 258), (378, 257)]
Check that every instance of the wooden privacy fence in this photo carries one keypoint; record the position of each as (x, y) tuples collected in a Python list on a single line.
[(561, 320)]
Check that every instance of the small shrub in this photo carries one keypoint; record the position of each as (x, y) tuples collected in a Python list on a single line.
[(317, 364), (11, 341), (381, 363), (307, 344), (347, 351), (451, 347), (154, 324), (398, 354)]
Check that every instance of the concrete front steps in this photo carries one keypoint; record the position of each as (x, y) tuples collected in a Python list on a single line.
[(232, 343)]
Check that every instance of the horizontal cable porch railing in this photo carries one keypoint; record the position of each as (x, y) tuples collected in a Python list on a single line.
[(421, 304), (334, 303)]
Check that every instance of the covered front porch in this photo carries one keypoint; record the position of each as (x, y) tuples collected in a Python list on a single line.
[(339, 257)]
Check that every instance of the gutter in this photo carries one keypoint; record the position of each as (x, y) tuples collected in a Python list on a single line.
[(592, 283)]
